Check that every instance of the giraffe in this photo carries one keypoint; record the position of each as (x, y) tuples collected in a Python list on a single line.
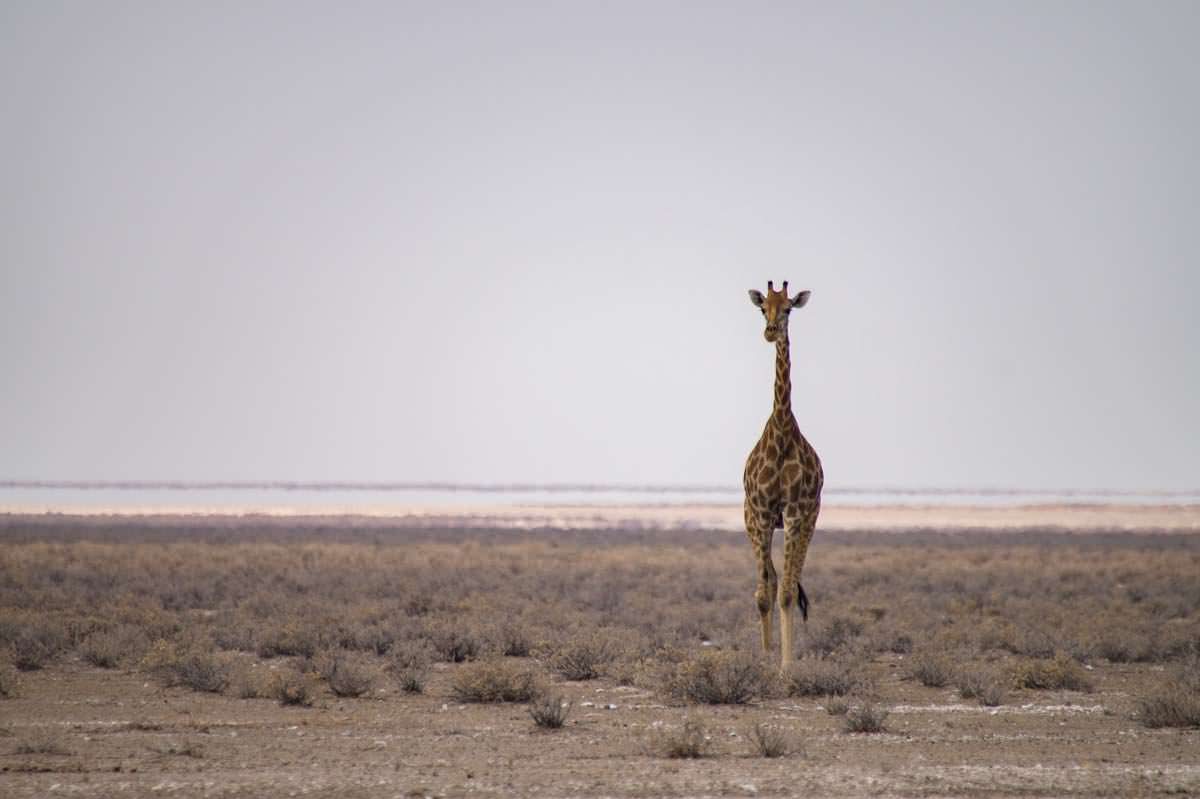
[(783, 480)]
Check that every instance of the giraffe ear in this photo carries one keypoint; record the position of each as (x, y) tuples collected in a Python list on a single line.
[(757, 298), (801, 298)]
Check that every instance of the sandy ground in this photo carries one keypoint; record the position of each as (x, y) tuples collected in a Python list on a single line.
[(1161, 518), (114, 734)]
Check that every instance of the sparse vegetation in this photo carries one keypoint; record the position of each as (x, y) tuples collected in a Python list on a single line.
[(931, 669), (826, 676), (41, 741), (291, 686), (719, 678), (549, 710), (984, 685), (583, 657), (688, 741), (1059, 672), (867, 717), (770, 741), (409, 665), (494, 680), (348, 675)]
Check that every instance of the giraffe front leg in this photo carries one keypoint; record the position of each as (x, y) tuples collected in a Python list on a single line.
[(799, 524), (768, 583)]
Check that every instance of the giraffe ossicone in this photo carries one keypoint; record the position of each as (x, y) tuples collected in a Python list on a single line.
[(783, 481)]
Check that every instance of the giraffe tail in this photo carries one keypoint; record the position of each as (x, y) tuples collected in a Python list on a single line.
[(803, 603)]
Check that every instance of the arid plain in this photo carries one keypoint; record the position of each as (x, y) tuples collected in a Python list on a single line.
[(1022, 651)]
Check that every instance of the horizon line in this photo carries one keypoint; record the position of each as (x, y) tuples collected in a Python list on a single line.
[(522, 487)]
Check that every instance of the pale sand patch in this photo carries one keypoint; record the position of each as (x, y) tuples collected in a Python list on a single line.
[(1166, 518)]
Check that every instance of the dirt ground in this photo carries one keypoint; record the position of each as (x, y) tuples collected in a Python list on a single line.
[(71, 728), (114, 733)]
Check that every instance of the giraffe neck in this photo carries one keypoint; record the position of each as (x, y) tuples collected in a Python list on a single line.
[(782, 411)]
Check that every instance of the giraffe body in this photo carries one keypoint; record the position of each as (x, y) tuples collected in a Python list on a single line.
[(783, 481)]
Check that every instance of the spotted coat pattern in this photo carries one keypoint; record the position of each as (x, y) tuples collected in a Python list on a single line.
[(783, 480)]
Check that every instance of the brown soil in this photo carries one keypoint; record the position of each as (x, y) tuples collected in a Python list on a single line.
[(115, 733)]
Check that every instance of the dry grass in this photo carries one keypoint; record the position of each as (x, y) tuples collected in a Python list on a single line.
[(687, 742), (549, 710), (931, 669), (348, 674), (719, 678), (865, 718), (397, 599), (770, 741), (983, 684), (1057, 673), (826, 676), (495, 680)]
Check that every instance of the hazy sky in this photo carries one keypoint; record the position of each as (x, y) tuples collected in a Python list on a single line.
[(499, 241)]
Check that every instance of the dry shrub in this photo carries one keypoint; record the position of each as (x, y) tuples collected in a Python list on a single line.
[(719, 678), (109, 648), (36, 643), (294, 687), (452, 642), (513, 639), (549, 711), (291, 639), (867, 717), (249, 682), (770, 741), (826, 676), (409, 664), (835, 634), (494, 680), (189, 666), (837, 706), (689, 741), (931, 669), (981, 684), (41, 741), (584, 656), (1061, 672), (348, 675), (1176, 701)]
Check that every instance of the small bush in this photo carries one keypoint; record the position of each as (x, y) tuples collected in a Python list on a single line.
[(1051, 674), (36, 644), (513, 640), (294, 687), (865, 718), (193, 668), (41, 741), (836, 706), (688, 741), (720, 678), (453, 643), (584, 656), (348, 676), (494, 681), (817, 676), (549, 711), (409, 665), (982, 685), (931, 669), (292, 638), (1171, 705), (770, 741), (109, 648), (251, 683), (827, 638)]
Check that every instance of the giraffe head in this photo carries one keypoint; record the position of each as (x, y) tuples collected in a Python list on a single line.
[(775, 307)]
